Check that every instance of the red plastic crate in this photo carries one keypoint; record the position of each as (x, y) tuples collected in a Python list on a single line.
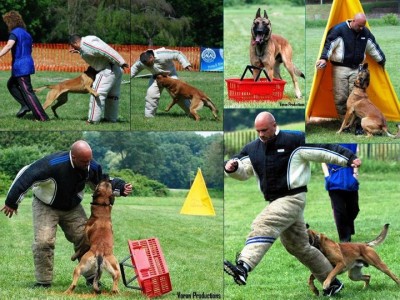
[(150, 267), (249, 90)]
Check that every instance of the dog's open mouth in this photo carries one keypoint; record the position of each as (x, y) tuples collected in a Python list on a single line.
[(259, 38)]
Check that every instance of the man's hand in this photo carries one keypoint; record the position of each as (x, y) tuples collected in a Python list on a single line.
[(8, 211), (356, 163), (189, 68), (73, 51), (125, 65), (127, 189), (231, 165), (320, 64)]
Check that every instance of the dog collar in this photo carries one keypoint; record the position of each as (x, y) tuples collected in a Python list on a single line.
[(98, 204)]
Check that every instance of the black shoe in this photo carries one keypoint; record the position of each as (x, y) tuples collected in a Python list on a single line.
[(335, 287), (22, 112), (41, 285), (359, 130), (238, 272)]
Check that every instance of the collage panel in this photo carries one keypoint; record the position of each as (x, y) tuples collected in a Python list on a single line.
[(45, 62), (177, 59), (264, 55), (151, 219), (276, 187), (352, 52)]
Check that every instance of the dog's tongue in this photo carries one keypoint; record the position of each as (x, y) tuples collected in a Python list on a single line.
[(259, 38)]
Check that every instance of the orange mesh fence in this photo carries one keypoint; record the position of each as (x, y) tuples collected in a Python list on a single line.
[(56, 57)]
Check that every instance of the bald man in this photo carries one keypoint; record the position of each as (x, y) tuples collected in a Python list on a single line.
[(58, 183), (345, 47), (280, 161)]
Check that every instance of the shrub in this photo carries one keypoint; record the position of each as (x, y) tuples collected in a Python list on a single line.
[(391, 19)]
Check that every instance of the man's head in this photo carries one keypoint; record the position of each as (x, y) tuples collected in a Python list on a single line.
[(81, 154), (13, 20), (147, 58), (265, 125), (75, 41), (358, 22)]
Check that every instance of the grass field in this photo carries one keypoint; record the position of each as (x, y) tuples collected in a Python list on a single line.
[(386, 37), (192, 246), (73, 114), (287, 21), (281, 276), (175, 119)]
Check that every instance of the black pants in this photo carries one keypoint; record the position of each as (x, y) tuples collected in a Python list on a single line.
[(21, 89), (345, 210)]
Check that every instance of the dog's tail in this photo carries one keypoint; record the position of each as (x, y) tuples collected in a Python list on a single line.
[(97, 276), (380, 238), (38, 90), (395, 136), (298, 72)]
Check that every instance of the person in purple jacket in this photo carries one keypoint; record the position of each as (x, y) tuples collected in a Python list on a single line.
[(342, 186), (19, 84)]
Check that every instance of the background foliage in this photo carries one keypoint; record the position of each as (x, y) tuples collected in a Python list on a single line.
[(158, 22), (152, 161)]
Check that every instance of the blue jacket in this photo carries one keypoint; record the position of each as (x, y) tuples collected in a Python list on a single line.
[(342, 178), (22, 61)]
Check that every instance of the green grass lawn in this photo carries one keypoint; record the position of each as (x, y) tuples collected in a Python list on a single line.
[(287, 21), (280, 275), (192, 246), (386, 37), (73, 114), (175, 119)]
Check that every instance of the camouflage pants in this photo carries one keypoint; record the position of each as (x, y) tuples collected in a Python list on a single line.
[(343, 82), (45, 221), (284, 218)]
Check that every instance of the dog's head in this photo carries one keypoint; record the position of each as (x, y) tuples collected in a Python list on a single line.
[(261, 29), (313, 237), (362, 80), (103, 194)]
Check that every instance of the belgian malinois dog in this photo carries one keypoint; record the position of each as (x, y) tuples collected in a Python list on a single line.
[(99, 234), (351, 257), (359, 105), (269, 51), (80, 85), (180, 90)]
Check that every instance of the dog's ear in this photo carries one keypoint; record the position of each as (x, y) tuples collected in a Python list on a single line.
[(307, 225), (265, 14), (365, 66), (258, 14)]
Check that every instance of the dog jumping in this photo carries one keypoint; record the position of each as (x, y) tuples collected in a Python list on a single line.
[(100, 237), (359, 105), (180, 90), (351, 257), (269, 51), (79, 85)]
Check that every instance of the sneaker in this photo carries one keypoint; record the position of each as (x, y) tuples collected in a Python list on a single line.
[(334, 288), (22, 112), (238, 272), (41, 285)]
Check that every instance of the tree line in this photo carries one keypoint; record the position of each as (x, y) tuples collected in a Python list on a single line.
[(170, 158), (143, 22)]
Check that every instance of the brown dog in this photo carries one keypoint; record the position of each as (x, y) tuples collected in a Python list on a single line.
[(349, 257), (359, 105), (79, 85), (180, 90), (100, 237), (269, 51)]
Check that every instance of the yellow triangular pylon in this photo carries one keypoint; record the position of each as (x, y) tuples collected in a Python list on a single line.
[(381, 92), (198, 201)]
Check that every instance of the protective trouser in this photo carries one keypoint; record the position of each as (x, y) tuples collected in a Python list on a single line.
[(343, 83), (45, 221), (284, 217), (21, 89), (107, 84), (153, 97)]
